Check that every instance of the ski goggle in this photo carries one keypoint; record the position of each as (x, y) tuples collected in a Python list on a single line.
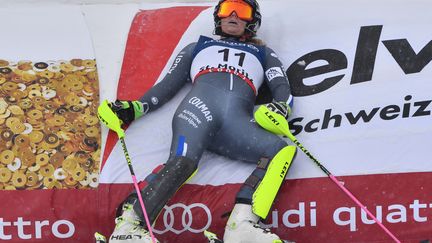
[(242, 9)]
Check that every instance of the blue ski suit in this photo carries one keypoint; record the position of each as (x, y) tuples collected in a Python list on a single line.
[(217, 113)]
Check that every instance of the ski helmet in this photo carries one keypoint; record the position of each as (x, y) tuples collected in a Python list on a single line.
[(252, 26)]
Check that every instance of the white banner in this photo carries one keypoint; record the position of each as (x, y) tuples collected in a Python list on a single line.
[(360, 74), (45, 33)]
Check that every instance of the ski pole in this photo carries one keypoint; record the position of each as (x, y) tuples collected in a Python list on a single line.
[(277, 124), (109, 118)]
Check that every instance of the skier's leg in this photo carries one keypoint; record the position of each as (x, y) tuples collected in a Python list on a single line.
[(190, 139), (255, 198), (248, 142), (161, 186)]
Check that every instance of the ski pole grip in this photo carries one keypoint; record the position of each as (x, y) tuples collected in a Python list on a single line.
[(109, 118)]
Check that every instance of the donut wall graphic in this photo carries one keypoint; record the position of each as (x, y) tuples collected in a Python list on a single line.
[(49, 129), (49, 93), (50, 136)]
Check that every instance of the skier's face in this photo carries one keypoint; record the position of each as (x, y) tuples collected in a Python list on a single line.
[(232, 25)]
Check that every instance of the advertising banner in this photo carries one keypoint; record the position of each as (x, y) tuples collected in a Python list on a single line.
[(359, 76), (360, 73)]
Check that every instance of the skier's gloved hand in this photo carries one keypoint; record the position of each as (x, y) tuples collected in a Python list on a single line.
[(127, 110), (281, 108)]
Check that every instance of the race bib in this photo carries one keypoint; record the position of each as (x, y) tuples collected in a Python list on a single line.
[(242, 59)]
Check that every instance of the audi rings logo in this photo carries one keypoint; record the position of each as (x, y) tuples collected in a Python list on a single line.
[(188, 222)]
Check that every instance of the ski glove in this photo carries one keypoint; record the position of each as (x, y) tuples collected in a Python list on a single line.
[(280, 108), (127, 111)]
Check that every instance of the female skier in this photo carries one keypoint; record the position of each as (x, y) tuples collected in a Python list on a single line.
[(226, 74)]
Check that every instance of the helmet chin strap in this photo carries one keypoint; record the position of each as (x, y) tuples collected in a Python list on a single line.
[(246, 35)]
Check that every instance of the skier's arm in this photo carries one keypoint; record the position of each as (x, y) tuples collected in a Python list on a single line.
[(278, 83), (128, 110), (174, 80)]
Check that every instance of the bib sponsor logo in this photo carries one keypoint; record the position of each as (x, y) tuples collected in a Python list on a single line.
[(235, 71), (234, 44)]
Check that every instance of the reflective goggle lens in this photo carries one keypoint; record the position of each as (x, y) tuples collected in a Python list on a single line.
[(242, 9)]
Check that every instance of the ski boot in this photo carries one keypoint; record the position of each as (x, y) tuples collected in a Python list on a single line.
[(128, 228), (243, 227)]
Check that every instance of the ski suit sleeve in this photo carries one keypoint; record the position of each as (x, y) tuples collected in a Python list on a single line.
[(276, 78), (177, 76)]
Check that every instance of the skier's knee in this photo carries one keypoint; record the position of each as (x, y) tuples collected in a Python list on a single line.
[(276, 148), (166, 179), (261, 187)]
